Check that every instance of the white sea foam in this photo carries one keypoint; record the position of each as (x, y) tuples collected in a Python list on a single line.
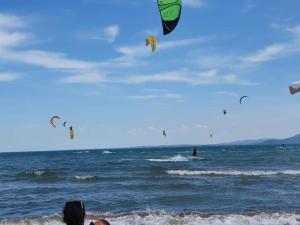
[(169, 219), (36, 173), (161, 218), (84, 177), (232, 172), (82, 152), (177, 158), (107, 152)]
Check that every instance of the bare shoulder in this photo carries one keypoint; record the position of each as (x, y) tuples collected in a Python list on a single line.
[(102, 222)]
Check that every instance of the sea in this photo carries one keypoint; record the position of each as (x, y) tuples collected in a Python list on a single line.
[(225, 185)]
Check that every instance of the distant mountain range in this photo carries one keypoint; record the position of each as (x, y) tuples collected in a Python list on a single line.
[(287, 141)]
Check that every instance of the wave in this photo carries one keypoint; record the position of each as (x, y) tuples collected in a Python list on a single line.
[(37, 173), (85, 177), (107, 152), (177, 158), (81, 152), (232, 172), (164, 218)]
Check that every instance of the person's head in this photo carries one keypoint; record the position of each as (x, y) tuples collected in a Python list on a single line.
[(74, 213)]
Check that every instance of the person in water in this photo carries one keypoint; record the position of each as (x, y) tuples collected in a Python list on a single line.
[(74, 214), (194, 154)]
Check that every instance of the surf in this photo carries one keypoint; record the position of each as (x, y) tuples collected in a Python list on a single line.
[(169, 218), (232, 172), (177, 158)]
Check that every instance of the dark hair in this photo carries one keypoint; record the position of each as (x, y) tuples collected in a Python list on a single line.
[(74, 213), (105, 222)]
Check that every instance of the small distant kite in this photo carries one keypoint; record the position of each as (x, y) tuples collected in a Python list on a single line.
[(151, 40), (295, 87), (71, 133), (52, 120), (211, 136), (243, 98), (224, 111), (164, 133), (64, 123), (170, 11)]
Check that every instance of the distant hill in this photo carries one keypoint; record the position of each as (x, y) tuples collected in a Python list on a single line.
[(287, 141)]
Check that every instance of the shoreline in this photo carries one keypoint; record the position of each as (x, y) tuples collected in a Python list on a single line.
[(276, 217)]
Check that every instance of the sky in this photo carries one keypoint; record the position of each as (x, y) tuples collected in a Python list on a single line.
[(86, 61)]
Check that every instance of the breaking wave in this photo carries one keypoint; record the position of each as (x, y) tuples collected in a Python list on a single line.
[(163, 218), (85, 177), (232, 172), (107, 152), (177, 158), (36, 173), (81, 152)]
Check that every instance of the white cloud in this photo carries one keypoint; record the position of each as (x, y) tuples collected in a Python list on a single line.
[(160, 77), (201, 126), (85, 78), (155, 96), (267, 53), (106, 71), (153, 31), (153, 128), (45, 59), (143, 97), (144, 130), (186, 76), (228, 93), (111, 32), (133, 51), (295, 30), (108, 33), (195, 3), (85, 71), (9, 21), (215, 61), (237, 63), (233, 79), (9, 76), (249, 5), (156, 90), (13, 39), (179, 76), (185, 42), (277, 50)]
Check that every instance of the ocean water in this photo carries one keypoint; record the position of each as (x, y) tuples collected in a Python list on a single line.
[(257, 185)]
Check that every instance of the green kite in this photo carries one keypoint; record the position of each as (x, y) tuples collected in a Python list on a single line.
[(170, 11)]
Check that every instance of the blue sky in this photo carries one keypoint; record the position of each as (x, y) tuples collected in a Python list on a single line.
[(85, 60)]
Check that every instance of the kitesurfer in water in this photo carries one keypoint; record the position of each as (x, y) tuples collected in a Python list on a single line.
[(194, 154)]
